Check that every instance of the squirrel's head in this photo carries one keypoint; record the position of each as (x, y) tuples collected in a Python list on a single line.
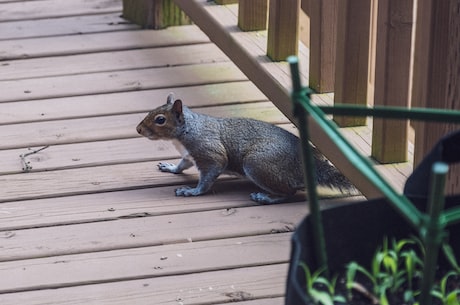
[(164, 121)]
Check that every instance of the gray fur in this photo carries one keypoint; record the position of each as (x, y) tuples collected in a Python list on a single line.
[(264, 153)]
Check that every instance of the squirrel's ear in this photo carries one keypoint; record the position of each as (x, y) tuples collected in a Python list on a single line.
[(177, 109), (170, 98)]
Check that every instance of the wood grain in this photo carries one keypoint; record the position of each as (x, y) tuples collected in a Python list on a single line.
[(98, 42), (118, 81), (138, 232), (217, 287), (127, 102), (156, 261)]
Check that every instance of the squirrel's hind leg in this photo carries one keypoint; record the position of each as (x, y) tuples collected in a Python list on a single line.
[(273, 181)]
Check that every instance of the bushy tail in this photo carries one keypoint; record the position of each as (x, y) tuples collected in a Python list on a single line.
[(328, 175)]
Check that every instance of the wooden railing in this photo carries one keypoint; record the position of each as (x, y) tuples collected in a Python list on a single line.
[(367, 52)]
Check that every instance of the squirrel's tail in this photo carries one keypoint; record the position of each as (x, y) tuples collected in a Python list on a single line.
[(328, 175)]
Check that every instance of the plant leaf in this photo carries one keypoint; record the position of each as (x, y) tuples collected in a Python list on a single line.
[(450, 255), (321, 297)]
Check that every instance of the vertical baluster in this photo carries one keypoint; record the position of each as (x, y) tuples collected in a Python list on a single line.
[(392, 77), (352, 57), (283, 29), (323, 23), (154, 14), (252, 15)]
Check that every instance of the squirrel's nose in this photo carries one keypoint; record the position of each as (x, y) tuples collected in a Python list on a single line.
[(139, 129)]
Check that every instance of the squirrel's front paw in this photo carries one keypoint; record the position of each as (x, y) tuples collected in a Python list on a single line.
[(187, 191), (167, 167)]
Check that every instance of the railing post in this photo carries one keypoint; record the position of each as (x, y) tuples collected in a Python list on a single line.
[(283, 29), (436, 82), (323, 24), (352, 57), (392, 77), (154, 14), (252, 15)]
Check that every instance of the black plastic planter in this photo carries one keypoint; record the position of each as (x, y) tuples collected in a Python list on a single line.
[(352, 232)]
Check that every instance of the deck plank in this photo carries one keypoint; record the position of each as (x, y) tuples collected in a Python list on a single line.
[(99, 42), (154, 201), (112, 61), (146, 262), (43, 9), (127, 102), (58, 132), (138, 232), (88, 180), (61, 26), (119, 81), (106, 206), (196, 289)]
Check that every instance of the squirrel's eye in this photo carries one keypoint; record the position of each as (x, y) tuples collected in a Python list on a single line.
[(160, 120)]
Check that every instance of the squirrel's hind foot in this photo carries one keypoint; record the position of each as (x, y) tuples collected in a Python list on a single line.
[(264, 198)]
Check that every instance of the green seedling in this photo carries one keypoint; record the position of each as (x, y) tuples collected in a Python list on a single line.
[(314, 282), (394, 267), (441, 292)]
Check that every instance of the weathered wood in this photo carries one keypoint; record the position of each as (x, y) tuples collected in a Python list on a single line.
[(103, 62), (113, 127), (141, 231), (99, 42), (21, 10), (352, 57), (436, 73), (154, 14), (252, 15), (106, 206), (89, 180), (201, 288), (78, 25), (154, 201), (117, 103), (100, 267), (392, 78), (323, 28), (119, 81), (283, 29)]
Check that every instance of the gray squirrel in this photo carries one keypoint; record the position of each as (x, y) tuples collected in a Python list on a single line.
[(266, 154)]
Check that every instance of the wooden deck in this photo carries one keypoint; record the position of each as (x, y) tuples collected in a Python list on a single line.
[(89, 219)]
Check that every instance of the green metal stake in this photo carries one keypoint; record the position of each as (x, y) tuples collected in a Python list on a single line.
[(309, 167), (434, 229)]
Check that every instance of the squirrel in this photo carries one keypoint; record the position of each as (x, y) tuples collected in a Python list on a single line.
[(266, 154)]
